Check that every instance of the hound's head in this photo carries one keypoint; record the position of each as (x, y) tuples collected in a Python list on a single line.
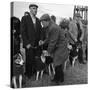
[(19, 60)]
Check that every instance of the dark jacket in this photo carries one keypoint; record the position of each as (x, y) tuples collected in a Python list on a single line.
[(30, 34), (15, 35)]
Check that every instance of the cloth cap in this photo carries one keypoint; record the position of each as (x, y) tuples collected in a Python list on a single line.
[(45, 17), (78, 15), (33, 5)]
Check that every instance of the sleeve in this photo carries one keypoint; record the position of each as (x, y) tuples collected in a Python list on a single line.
[(40, 31), (69, 38), (23, 32), (53, 40), (71, 31), (81, 25), (39, 27), (42, 34)]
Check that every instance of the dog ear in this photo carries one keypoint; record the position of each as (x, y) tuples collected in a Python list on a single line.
[(17, 61), (15, 56)]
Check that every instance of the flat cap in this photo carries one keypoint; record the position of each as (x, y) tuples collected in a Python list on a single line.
[(78, 15), (45, 17), (33, 5)]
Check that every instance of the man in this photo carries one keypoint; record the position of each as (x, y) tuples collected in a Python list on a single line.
[(77, 32), (30, 29), (53, 18), (57, 46)]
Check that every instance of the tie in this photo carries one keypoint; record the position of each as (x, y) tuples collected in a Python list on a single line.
[(35, 26)]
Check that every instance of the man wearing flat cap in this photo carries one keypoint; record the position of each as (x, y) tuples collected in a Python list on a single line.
[(33, 5), (30, 30), (77, 32), (57, 46)]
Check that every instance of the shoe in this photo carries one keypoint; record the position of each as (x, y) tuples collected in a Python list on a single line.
[(28, 76), (62, 80), (55, 81), (83, 62)]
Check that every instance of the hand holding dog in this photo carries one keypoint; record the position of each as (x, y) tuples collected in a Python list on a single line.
[(28, 46), (69, 46), (41, 42)]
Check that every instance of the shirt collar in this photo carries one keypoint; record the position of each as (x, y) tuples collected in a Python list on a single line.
[(32, 16)]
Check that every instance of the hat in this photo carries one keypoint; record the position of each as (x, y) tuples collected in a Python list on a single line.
[(45, 17), (78, 15), (31, 5)]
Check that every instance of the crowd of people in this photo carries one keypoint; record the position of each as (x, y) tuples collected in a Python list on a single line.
[(31, 32)]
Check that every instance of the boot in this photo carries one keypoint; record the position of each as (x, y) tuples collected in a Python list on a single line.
[(59, 75)]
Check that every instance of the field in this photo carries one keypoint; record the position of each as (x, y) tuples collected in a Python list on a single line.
[(76, 75)]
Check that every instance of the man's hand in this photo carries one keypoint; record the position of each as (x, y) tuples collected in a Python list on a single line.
[(75, 40), (69, 47), (41, 42), (80, 39), (28, 46), (45, 52)]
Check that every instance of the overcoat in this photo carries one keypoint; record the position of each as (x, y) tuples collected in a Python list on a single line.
[(30, 34), (57, 44)]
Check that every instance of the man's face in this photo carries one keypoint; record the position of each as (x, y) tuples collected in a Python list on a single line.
[(45, 23), (33, 10), (77, 19)]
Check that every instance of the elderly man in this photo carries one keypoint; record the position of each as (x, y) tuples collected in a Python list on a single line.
[(57, 46), (30, 30), (77, 32)]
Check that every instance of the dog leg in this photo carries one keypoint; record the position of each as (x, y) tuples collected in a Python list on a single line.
[(73, 62), (53, 68), (49, 70), (14, 82), (41, 74), (37, 76), (20, 81), (65, 65)]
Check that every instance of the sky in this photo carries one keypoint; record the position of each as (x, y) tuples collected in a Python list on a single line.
[(59, 10)]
